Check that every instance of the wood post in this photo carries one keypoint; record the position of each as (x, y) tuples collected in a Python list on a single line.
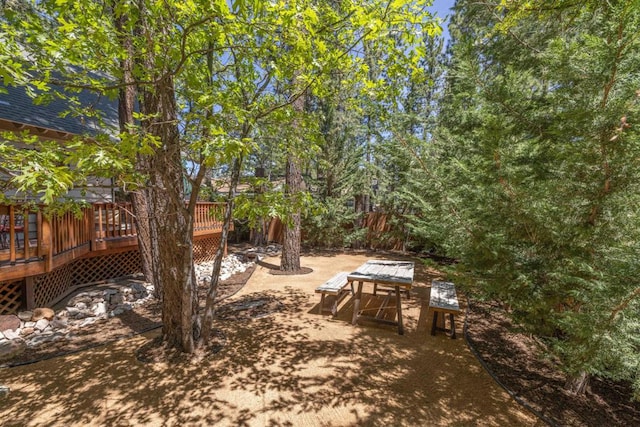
[(29, 293), (47, 244), (399, 309), (100, 225), (90, 219), (25, 234), (453, 326), (435, 326), (434, 322), (12, 235)]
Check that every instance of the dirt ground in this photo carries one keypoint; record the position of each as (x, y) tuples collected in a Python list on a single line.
[(281, 364), (518, 362)]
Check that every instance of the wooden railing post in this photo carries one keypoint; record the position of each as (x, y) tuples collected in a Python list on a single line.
[(25, 234), (47, 243), (90, 214), (101, 231), (12, 234)]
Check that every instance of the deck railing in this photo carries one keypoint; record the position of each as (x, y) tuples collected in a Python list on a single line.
[(69, 231), (113, 221), (27, 235), (16, 225), (208, 217)]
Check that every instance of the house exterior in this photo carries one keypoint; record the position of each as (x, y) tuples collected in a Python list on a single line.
[(52, 121), (44, 258)]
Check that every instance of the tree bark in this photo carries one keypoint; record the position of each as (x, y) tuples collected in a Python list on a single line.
[(171, 223), (359, 220), (578, 384), (290, 260), (143, 231), (259, 233), (207, 315), (126, 106)]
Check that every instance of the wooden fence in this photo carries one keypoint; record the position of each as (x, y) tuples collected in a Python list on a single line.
[(381, 232)]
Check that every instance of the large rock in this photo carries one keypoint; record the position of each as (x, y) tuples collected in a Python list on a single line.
[(42, 324), (80, 299), (59, 323), (139, 288), (11, 349), (10, 334), (9, 321), (27, 331), (25, 316), (116, 299), (72, 311), (43, 313), (88, 321), (99, 309)]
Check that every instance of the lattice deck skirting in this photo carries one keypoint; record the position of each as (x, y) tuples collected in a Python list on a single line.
[(95, 269), (205, 249), (50, 287), (10, 296)]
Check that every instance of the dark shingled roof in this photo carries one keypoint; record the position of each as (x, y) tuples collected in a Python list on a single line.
[(17, 106)]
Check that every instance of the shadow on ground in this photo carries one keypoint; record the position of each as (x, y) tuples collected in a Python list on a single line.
[(293, 367)]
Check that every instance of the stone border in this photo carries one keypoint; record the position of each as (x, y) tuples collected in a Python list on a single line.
[(42, 326)]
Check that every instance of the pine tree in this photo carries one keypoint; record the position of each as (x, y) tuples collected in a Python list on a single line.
[(334, 168), (536, 166)]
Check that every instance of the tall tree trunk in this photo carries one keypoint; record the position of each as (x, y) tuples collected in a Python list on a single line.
[(359, 219), (126, 107), (143, 230), (259, 232), (290, 260), (171, 223)]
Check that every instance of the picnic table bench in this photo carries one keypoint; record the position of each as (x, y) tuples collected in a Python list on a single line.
[(443, 299), (337, 286)]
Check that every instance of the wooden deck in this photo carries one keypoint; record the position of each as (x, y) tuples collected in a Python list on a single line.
[(32, 243)]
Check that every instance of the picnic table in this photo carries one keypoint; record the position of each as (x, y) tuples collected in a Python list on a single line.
[(397, 275)]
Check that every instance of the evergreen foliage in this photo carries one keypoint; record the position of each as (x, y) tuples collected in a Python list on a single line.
[(409, 122), (534, 173), (519, 155), (334, 170)]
